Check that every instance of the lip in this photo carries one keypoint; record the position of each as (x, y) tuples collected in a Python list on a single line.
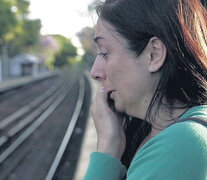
[(110, 91)]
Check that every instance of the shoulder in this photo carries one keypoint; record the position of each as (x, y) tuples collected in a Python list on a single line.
[(180, 149), (179, 137), (188, 137), (185, 134)]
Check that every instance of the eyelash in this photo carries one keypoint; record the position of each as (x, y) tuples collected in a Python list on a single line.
[(102, 54)]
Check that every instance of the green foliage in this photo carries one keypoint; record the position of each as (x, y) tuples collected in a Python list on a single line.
[(22, 6), (50, 62), (66, 51), (7, 18), (32, 32), (24, 36), (19, 33)]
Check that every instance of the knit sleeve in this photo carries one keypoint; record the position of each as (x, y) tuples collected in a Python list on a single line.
[(178, 152), (104, 167)]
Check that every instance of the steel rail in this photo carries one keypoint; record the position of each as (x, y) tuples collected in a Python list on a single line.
[(23, 110), (23, 123), (69, 131), (28, 119), (42, 118)]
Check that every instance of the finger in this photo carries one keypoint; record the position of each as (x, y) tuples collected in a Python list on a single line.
[(101, 96), (102, 91)]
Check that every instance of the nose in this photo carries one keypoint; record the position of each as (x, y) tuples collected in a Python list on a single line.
[(98, 70)]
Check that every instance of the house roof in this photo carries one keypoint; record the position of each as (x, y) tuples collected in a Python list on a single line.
[(26, 58)]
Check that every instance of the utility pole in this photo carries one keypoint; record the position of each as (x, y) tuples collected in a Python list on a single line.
[(4, 61)]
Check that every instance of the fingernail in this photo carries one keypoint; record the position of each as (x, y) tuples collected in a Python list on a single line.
[(102, 89)]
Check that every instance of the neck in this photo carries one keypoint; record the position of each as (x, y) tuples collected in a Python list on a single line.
[(161, 122), (163, 119)]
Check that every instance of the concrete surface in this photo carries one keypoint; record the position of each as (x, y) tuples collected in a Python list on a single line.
[(21, 81)]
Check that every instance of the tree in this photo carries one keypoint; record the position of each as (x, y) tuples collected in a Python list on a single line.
[(22, 7), (26, 33), (24, 36), (86, 38), (32, 33), (66, 51), (7, 18)]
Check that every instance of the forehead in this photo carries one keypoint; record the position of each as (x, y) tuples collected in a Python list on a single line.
[(106, 33), (102, 27)]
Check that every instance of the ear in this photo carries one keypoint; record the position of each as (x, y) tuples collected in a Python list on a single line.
[(158, 54)]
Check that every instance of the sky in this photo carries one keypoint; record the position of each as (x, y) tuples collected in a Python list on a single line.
[(65, 17)]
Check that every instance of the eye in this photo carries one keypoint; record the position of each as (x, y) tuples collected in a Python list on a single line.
[(102, 54)]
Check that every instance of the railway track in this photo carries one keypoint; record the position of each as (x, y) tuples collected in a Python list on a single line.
[(17, 98), (69, 131), (18, 130)]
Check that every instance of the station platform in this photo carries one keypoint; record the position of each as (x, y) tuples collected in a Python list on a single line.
[(21, 81), (89, 142)]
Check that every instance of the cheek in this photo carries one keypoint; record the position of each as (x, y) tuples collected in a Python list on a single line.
[(113, 73), (130, 91), (134, 88)]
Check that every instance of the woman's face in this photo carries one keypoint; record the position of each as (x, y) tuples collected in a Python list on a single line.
[(125, 76)]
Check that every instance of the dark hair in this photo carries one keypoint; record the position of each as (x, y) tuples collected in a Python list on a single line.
[(181, 25)]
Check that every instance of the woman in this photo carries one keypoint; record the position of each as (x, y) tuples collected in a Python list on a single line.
[(152, 64)]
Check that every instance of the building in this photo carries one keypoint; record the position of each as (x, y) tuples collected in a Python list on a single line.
[(25, 65)]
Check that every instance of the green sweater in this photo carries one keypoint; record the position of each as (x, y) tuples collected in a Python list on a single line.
[(179, 152)]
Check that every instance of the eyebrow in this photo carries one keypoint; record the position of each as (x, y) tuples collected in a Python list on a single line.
[(97, 38)]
